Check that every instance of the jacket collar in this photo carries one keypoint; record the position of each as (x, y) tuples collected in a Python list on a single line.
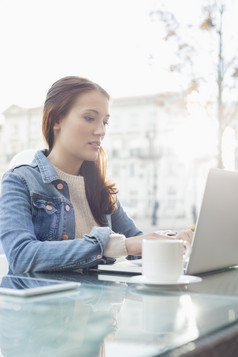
[(47, 170)]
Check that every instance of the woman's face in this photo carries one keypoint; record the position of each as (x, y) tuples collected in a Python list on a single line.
[(81, 132)]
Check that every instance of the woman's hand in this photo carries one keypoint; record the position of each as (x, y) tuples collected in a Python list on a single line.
[(134, 244), (185, 235)]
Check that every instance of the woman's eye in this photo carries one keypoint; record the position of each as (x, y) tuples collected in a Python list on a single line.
[(89, 118)]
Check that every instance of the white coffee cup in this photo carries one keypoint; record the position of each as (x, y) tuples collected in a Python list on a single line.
[(163, 259)]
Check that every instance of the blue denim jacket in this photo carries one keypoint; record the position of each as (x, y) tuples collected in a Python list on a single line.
[(31, 234)]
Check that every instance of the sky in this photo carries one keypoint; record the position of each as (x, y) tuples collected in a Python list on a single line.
[(107, 41)]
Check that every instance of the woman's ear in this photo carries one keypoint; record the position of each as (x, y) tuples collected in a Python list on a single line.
[(57, 125)]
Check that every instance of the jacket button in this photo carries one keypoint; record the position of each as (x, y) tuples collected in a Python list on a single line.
[(60, 186), (67, 207), (65, 236), (49, 207), (99, 256)]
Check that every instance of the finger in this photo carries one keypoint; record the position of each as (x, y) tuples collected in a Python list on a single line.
[(163, 236), (186, 235)]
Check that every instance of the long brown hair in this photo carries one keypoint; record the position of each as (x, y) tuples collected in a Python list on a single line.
[(59, 101)]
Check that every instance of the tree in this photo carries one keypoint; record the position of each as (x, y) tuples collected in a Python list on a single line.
[(224, 73)]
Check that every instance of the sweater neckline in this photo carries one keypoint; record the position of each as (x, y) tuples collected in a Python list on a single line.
[(65, 175)]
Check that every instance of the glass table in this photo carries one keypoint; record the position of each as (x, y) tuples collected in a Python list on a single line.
[(116, 318)]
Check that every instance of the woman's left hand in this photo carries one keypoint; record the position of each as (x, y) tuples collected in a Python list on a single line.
[(185, 235)]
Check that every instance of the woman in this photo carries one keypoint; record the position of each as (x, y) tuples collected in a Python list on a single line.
[(63, 194)]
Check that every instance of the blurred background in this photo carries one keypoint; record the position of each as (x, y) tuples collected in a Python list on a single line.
[(171, 68)]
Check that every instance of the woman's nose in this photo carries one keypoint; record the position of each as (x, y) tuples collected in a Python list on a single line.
[(100, 129)]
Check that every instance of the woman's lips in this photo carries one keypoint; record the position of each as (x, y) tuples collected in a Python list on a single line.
[(95, 144)]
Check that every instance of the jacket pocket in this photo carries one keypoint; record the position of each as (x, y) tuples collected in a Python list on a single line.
[(45, 217)]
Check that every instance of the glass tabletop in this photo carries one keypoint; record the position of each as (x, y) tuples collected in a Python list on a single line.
[(114, 318)]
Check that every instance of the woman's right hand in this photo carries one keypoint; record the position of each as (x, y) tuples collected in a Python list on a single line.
[(134, 244)]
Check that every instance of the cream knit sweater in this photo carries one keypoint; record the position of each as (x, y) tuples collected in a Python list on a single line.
[(84, 220)]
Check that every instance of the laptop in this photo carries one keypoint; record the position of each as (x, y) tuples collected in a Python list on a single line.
[(215, 243)]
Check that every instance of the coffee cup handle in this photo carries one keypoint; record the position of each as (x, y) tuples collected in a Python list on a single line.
[(188, 250)]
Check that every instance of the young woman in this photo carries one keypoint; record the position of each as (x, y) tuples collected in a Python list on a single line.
[(63, 194)]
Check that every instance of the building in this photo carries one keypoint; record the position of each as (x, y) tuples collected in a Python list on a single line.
[(157, 183)]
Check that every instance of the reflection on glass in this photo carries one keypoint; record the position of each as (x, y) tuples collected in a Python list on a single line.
[(71, 324), (155, 323)]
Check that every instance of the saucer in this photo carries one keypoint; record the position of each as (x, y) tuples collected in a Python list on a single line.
[(182, 280), (137, 262)]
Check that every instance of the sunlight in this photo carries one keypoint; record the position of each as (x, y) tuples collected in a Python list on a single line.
[(228, 149), (197, 136), (191, 311)]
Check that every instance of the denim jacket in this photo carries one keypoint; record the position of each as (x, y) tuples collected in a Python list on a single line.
[(35, 215)]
